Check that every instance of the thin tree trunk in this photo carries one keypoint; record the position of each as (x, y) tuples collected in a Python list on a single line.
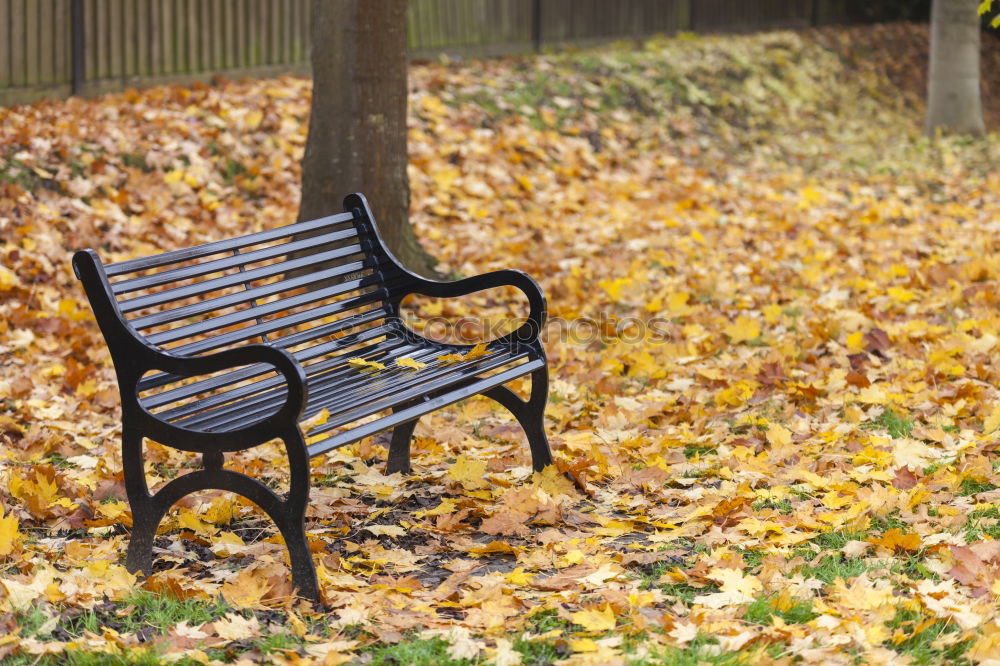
[(357, 128), (953, 97)]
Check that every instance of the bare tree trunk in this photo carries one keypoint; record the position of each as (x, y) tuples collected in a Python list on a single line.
[(953, 98), (357, 127)]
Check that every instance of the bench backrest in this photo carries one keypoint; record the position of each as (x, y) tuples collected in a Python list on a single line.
[(312, 287)]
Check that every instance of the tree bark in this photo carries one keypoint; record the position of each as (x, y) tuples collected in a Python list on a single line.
[(953, 96), (357, 126)]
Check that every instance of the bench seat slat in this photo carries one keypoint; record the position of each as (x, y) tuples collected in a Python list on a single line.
[(349, 401), (267, 327), (228, 245), (235, 261), (229, 300), (342, 380), (412, 389), (292, 340), (418, 410), (227, 281), (268, 386), (193, 389), (259, 311)]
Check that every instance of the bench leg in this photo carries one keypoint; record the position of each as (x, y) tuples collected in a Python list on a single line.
[(530, 414), (399, 448), (288, 514)]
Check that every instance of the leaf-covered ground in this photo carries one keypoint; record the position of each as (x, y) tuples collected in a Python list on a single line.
[(775, 317)]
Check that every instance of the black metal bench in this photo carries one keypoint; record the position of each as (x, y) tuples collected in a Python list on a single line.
[(228, 345)]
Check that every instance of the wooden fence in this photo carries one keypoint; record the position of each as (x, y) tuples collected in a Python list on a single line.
[(56, 48)]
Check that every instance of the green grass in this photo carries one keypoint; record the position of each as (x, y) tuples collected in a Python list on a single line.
[(784, 506), (973, 487), (919, 647), (704, 650), (897, 426), (415, 651), (539, 653), (834, 566), (975, 527), (762, 611), (141, 611)]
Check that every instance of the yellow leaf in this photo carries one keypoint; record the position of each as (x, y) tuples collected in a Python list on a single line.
[(894, 539), (984, 6), (856, 342), (235, 627), (732, 581), (614, 287), (468, 472), (253, 119), (900, 295), (778, 435), (410, 363), (112, 510), (593, 620), (476, 352), (519, 577), (173, 176), (362, 364), (447, 505), (318, 419), (583, 645), (246, 589), (743, 329), (992, 421), (8, 279), (772, 313), (9, 536)]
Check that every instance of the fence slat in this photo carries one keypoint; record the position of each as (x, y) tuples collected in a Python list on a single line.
[(129, 41)]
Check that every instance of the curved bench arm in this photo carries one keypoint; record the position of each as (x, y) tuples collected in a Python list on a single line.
[(528, 332), (184, 367), (417, 284)]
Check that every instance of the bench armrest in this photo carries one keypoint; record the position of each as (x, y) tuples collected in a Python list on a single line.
[(527, 332), (184, 367)]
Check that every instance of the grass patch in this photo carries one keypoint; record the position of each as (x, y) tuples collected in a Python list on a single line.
[(762, 611), (415, 651), (920, 637), (897, 426), (784, 506), (973, 487)]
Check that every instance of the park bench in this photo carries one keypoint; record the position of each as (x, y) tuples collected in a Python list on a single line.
[(225, 346)]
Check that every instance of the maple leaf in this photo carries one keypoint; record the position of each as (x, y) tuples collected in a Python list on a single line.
[(362, 364), (596, 621), (234, 627), (411, 364), (468, 471), (10, 537), (894, 539), (743, 329)]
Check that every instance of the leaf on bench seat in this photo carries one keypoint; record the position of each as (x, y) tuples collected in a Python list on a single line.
[(411, 363), (362, 364), (317, 420), (474, 353)]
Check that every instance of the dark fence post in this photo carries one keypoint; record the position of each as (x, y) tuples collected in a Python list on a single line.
[(693, 15), (814, 14), (78, 54), (536, 25)]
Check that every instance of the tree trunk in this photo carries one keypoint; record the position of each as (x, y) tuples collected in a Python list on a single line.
[(953, 97), (357, 126)]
